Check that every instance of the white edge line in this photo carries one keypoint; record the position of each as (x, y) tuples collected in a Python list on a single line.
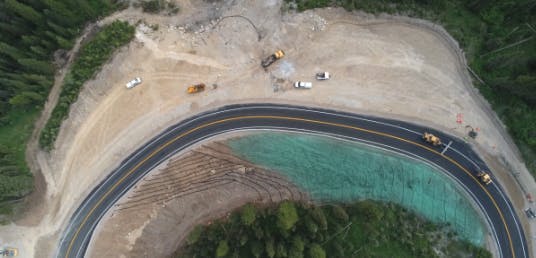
[(356, 117), (343, 138)]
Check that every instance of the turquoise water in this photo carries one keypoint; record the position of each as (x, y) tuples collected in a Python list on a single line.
[(335, 170)]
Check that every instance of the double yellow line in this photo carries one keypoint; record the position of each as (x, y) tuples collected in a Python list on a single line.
[(288, 119)]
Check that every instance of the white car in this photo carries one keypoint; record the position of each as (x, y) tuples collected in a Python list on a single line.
[(303, 85), (134, 83)]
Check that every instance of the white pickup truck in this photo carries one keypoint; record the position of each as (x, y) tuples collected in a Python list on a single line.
[(303, 85)]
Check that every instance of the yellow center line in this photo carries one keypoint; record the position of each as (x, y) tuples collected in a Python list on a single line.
[(282, 118)]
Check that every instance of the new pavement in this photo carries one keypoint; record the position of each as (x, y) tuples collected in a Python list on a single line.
[(458, 159)]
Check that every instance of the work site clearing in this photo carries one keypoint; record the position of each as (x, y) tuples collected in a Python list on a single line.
[(387, 66)]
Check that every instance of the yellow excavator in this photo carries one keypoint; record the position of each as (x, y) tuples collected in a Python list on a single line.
[(272, 58), (484, 177), (432, 139), (196, 88)]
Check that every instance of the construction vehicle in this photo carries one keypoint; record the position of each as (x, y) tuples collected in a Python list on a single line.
[(272, 58), (530, 213), (196, 88), (432, 139), (472, 133), (484, 177)]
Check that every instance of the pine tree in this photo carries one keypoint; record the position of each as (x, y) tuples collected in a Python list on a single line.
[(287, 215), (25, 11), (58, 30), (248, 214), (10, 51), (83, 9), (60, 13), (42, 81), (33, 65), (13, 85), (269, 247), (63, 43), (25, 98), (39, 51), (316, 251), (29, 40), (10, 31)]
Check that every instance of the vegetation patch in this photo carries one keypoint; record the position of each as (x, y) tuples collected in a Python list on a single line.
[(499, 39), (362, 229), (92, 56), (157, 6), (13, 184)]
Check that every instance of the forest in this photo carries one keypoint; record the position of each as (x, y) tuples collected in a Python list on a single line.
[(32, 33), (499, 41), (294, 230)]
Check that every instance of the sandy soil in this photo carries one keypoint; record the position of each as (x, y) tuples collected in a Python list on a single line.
[(388, 66), (192, 188)]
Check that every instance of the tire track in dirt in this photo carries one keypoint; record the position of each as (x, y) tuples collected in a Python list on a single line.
[(188, 183), (199, 170), (34, 201)]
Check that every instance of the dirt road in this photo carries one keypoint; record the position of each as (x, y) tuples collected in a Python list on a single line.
[(393, 67)]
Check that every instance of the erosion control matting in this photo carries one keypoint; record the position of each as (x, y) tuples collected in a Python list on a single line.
[(335, 170)]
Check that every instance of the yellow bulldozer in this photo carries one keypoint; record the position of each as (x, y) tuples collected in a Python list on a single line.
[(432, 139), (484, 177), (196, 88), (272, 58)]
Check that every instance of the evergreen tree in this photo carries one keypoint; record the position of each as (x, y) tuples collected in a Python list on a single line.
[(248, 214), (287, 215), (257, 249), (270, 248), (316, 251), (296, 248), (24, 98), (33, 65), (318, 215), (59, 12), (340, 213), (10, 51), (25, 11), (9, 31), (223, 249), (39, 51)]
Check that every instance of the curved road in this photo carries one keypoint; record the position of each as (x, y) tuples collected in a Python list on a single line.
[(459, 160)]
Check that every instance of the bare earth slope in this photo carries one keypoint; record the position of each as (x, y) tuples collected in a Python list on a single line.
[(200, 185), (393, 67)]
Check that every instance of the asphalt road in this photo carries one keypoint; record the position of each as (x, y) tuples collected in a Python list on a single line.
[(459, 160)]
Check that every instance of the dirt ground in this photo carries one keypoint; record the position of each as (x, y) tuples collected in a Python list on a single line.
[(202, 184), (387, 66)]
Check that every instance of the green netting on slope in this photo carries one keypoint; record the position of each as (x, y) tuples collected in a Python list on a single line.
[(335, 170)]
